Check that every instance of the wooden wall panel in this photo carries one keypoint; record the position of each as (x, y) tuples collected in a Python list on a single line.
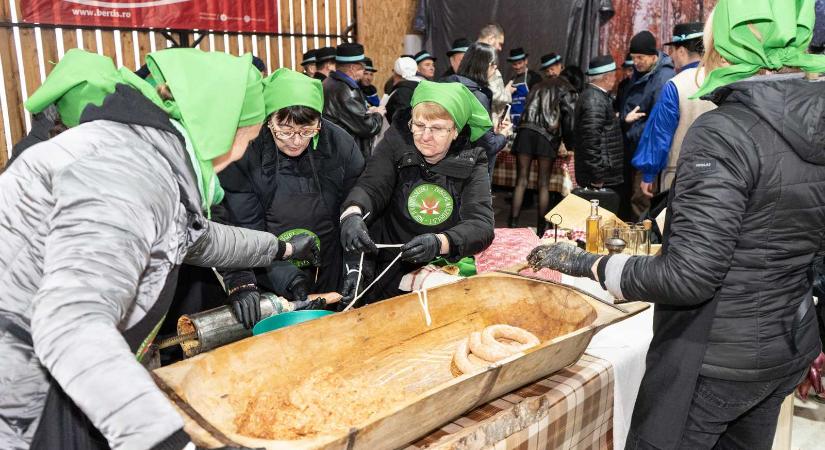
[(50, 57), (127, 49), (381, 28), (14, 97)]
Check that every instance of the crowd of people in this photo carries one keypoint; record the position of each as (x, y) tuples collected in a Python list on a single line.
[(136, 194)]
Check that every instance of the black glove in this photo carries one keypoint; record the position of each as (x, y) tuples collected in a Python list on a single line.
[(351, 278), (246, 305), (304, 248), (318, 303), (355, 236), (566, 258), (421, 249), (298, 288)]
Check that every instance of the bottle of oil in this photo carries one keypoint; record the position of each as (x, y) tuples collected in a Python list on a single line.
[(593, 236)]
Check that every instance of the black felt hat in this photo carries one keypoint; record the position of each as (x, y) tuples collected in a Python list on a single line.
[(628, 61), (517, 54), (259, 63), (423, 55), (549, 59), (643, 44), (309, 57), (349, 52), (459, 46), (324, 54), (685, 32), (601, 64), (368, 65)]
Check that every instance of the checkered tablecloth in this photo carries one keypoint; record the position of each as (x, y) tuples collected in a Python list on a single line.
[(510, 247), (572, 409), (504, 173)]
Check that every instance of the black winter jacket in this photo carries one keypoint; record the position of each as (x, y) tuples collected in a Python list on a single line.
[(491, 142), (400, 98), (464, 169), (599, 149), (550, 111), (643, 91), (346, 106), (249, 185)]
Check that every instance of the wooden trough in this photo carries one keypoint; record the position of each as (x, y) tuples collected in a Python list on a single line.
[(379, 377)]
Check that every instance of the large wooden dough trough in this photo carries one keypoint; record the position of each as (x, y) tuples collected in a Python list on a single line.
[(379, 377)]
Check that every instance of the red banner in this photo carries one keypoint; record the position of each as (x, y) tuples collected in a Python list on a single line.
[(259, 16)]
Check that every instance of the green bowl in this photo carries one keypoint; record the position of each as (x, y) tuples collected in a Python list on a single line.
[(286, 319)]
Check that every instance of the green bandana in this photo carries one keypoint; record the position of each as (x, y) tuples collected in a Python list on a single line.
[(214, 94), (786, 27), (462, 105), (78, 80), (287, 87)]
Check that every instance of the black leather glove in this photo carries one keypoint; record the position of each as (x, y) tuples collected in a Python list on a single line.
[(355, 237), (304, 248), (351, 278), (566, 258), (246, 305), (298, 288), (421, 249)]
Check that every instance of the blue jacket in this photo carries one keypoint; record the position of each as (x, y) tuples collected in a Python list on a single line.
[(657, 138), (643, 92)]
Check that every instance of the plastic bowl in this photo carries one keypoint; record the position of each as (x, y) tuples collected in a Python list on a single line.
[(286, 319)]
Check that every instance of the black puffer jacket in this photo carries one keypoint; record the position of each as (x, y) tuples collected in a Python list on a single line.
[(400, 98), (346, 106), (550, 111), (599, 148)]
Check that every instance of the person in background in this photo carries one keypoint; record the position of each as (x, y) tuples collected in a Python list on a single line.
[(345, 104), (624, 84), (290, 182), (474, 73), (426, 187), (493, 35), (426, 65), (574, 76), (551, 65), (259, 64), (734, 328), (455, 54), (95, 223), (599, 150), (369, 90), (402, 92), (653, 70), (396, 77), (522, 80), (674, 112), (324, 62), (308, 63), (547, 121)]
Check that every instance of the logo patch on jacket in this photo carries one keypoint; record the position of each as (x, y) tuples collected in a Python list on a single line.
[(705, 165), (430, 204)]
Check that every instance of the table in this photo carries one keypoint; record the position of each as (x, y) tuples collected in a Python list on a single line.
[(571, 409)]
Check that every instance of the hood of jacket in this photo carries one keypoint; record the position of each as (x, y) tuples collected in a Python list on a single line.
[(792, 105)]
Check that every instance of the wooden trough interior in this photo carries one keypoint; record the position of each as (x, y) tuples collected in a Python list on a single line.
[(378, 377)]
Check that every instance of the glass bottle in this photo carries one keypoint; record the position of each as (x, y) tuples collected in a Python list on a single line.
[(593, 235)]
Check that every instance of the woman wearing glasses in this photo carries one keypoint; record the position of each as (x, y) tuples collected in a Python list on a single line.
[(291, 181), (425, 188)]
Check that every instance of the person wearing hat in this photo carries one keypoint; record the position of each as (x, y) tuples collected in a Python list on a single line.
[(551, 65), (455, 54), (291, 181), (345, 104), (734, 330), (522, 80), (426, 65), (653, 69), (674, 111), (95, 223), (599, 155), (493, 35), (426, 187), (369, 90), (324, 62), (401, 95), (624, 84), (308, 61)]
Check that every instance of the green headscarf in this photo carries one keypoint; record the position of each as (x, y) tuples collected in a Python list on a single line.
[(462, 105), (287, 87), (786, 28), (80, 79), (214, 94)]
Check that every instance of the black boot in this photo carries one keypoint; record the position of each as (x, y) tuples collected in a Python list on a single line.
[(512, 222)]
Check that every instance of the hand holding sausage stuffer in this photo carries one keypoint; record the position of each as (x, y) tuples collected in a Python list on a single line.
[(565, 258)]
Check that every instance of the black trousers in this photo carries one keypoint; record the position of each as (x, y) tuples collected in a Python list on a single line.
[(731, 414)]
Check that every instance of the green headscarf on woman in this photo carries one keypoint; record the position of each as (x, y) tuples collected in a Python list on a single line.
[(285, 88), (786, 29), (459, 102)]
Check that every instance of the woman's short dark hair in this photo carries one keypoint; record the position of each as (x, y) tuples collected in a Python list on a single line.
[(574, 76), (297, 115), (477, 61)]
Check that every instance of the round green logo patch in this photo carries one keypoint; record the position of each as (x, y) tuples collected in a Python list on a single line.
[(430, 204), (287, 235)]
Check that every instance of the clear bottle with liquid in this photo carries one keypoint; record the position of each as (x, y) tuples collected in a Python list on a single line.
[(593, 227)]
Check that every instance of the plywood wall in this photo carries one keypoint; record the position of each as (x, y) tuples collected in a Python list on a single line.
[(382, 25)]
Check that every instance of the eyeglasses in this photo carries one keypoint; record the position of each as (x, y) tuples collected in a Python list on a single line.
[(418, 129), (304, 133)]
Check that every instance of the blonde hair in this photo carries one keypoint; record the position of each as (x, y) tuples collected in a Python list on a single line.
[(711, 60), (164, 92), (430, 111)]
